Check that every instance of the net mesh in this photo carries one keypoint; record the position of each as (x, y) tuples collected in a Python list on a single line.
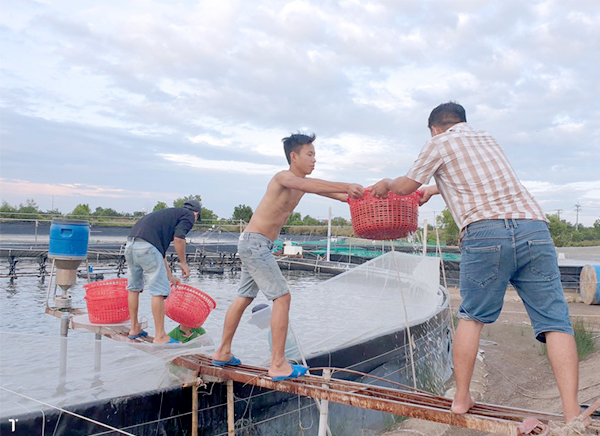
[(367, 301)]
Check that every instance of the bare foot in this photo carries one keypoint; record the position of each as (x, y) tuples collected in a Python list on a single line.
[(161, 340), (571, 415), (135, 329), (222, 357), (460, 407), (284, 369)]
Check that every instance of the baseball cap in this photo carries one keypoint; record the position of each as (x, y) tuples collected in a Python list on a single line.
[(192, 205)]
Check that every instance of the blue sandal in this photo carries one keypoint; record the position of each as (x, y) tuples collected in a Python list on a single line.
[(142, 334), (234, 361), (297, 371)]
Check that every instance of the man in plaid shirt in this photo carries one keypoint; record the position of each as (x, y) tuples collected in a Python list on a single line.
[(504, 239)]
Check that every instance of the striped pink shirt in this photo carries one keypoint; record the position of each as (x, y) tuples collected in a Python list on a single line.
[(474, 176)]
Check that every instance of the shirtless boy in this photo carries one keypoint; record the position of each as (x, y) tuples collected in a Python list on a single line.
[(259, 267)]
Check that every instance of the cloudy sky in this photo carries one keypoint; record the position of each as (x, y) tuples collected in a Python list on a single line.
[(123, 104)]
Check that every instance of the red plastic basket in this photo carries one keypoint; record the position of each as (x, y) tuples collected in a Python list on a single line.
[(188, 306), (385, 218), (107, 301)]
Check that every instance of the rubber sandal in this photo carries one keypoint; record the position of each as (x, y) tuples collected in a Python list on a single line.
[(142, 334), (234, 361), (297, 371)]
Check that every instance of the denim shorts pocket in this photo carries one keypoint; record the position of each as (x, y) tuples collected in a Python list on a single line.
[(147, 259), (481, 264), (542, 258)]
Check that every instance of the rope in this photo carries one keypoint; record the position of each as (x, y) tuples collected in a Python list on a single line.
[(410, 339), (266, 420), (572, 428), (69, 413), (317, 402), (365, 375), (439, 250)]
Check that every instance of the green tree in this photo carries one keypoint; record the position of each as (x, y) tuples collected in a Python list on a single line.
[(208, 215), (310, 221), (295, 219), (451, 231), (81, 211), (109, 212), (8, 211), (53, 212), (29, 209), (559, 230), (242, 212), (161, 205), (339, 221)]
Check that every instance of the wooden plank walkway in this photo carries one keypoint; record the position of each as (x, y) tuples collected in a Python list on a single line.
[(407, 402)]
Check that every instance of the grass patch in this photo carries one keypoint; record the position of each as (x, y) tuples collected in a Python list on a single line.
[(584, 339)]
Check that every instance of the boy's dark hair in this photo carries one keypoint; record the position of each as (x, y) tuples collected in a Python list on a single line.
[(446, 115), (294, 142)]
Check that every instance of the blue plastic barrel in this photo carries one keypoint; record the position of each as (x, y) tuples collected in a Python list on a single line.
[(69, 239), (589, 284)]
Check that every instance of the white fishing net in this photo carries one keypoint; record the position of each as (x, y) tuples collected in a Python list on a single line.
[(380, 296), (373, 299)]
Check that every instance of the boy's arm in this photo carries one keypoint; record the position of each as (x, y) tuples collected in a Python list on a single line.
[(318, 186), (341, 197)]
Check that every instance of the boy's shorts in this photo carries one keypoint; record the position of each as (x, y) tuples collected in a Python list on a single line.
[(259, 268), (495, 253), (146, 268)]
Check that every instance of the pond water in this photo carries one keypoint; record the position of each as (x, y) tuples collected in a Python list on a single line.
[(327, 312), (30, 345)]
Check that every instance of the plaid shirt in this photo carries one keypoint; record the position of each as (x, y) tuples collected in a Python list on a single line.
[(474, 176)]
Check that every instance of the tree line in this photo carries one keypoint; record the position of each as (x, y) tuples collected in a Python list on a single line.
[(241, 214), (563, 233)]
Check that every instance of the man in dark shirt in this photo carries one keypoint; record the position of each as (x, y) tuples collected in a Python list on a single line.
[(148, 269)]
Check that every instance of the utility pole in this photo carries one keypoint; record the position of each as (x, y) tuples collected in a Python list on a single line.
[(577, 209), (558, 211)]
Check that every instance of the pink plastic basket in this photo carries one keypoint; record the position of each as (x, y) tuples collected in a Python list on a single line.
[(188, 306), (385, 218), (107, 301)]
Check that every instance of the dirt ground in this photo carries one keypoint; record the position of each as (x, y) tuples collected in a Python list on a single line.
[(513, 370)]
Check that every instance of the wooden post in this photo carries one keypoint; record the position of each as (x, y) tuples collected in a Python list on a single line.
[(324, 408), (230, 409), (195, 410), (424, 237), (329, 236)]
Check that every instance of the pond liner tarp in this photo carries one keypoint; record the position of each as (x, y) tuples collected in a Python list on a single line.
[(260, 411)]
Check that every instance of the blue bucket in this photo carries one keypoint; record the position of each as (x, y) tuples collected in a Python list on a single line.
[(69, 239), (589, 284)]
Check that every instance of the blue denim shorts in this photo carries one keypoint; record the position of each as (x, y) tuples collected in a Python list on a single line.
[(259, 268), (521, 252), (146, 268)]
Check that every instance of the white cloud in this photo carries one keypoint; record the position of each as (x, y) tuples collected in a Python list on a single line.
[(227, 166), (215, 85), (26, 189)]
